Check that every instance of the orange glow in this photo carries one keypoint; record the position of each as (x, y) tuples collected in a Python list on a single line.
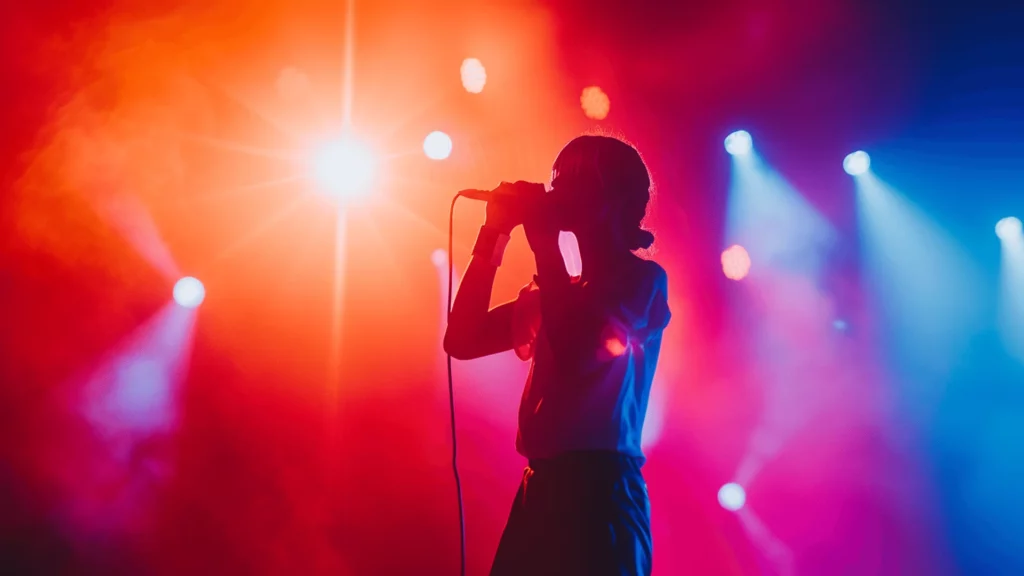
[(292, 83), (735, 262), (615, 347), (474, 75), (595, 103)]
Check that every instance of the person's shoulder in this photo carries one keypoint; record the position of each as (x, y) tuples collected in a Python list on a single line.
[(656, 281), (655, 277)]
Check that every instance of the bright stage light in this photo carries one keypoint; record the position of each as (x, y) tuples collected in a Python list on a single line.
[(732, 496), (857, 163), (474, 75), (739, 143), (840, 325), (437, 145), (735, 262), (345, 167), (1008, 228), (189, 292)]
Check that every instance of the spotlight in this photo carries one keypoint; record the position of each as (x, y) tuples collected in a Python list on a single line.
[(437, 145), (857, 163), (1008, 228), (474, 75), (344, 167), (840, 325), (189, 292), (735, 262), (739, 143), (732, 497)]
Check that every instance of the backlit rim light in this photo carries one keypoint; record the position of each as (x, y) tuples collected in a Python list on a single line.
[(739, 143), (1009, 227), (857, 163)]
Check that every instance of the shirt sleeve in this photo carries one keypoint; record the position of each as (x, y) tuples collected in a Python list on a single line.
[(658, 313), (526, 321)]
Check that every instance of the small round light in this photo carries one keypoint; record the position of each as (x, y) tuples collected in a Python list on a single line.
[(857, 163), (437, 145), (739, 143), (474, 75), (595, 103), (732, 496), (189, 292), (1008, 228), (735, 262)]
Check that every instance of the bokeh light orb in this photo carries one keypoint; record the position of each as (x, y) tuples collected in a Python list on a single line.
[(595, 103), (739, 143), (1009, 228), (189, 292), (735, 262), (857, 163), (344, 168), (840, 325), (439, 257), (732, 496), (474, 75), (437, 145)]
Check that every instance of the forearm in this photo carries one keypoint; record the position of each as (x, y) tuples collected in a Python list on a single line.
[(467, 323), (473, 298)]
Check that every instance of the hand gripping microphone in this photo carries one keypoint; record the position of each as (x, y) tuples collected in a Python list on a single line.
[(484, 195), (506, 189)]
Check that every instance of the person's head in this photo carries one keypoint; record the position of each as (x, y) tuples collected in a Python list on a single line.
[(600, 188)]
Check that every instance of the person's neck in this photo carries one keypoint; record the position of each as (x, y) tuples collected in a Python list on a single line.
[(599, 259)]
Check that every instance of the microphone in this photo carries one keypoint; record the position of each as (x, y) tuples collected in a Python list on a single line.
[(483, 195)]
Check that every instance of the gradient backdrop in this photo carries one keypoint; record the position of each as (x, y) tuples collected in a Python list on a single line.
[(858, 382)]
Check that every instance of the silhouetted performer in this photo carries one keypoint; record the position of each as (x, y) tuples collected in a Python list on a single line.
[(593, 342)]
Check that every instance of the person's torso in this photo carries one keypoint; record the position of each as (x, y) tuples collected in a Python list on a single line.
[(602, 406)]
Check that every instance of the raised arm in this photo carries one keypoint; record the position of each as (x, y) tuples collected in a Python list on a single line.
[(473, 330)]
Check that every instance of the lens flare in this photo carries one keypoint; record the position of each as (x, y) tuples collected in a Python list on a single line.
[(344, 168), (739, 143)]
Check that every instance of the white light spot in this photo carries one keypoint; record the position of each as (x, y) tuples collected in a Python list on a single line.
[(189, 292), (732, 497)]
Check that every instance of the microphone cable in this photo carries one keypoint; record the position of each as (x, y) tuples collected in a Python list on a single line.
[(451, 392)]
